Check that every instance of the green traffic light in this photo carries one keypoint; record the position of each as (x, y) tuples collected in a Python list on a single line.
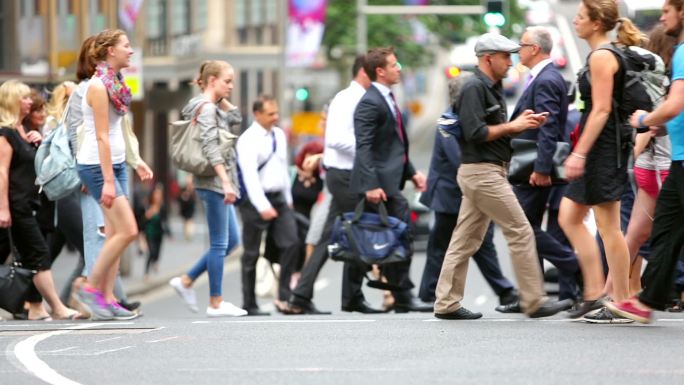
[(302, 94), (494, 19)]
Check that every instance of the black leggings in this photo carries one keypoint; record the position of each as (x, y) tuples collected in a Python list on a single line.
[(154, 246)]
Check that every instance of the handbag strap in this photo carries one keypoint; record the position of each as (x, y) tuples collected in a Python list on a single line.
[(382, 210), (14, 252), (197, 112)]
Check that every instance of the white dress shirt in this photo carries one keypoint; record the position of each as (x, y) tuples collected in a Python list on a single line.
[(254, 146), (537, 69), (340, 144), (385, 91)]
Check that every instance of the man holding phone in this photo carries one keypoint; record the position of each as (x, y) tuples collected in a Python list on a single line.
[(487, 195), (546, 92)]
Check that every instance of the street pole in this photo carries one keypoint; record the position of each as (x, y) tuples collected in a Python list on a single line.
[(361, 27)]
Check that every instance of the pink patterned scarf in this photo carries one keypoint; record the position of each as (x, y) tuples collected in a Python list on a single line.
[(118, 91)]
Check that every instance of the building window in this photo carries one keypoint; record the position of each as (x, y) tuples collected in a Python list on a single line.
[(156, 28), (260, 82), (200, 16), (258, 12), (156, 19), (180, 17), (271, 12), (32, 40), (98, 21)]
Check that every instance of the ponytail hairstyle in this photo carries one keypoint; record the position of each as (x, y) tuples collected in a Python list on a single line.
[(11, 93), (103, 41), (85, 67), (606, 13), (210, 68), (59, 99), (628, 34)]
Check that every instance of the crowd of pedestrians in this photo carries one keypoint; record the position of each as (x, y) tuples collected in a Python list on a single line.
[(365, 160)]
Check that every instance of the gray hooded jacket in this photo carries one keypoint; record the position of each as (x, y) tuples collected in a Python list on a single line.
[(210, 120)]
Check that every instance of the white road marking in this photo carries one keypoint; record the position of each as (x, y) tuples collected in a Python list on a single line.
[(25, 353), (200, 322), (570, 45), (480, 300), (112, 350), (107, 339), (162, 340), (59, 350), (670, 320)]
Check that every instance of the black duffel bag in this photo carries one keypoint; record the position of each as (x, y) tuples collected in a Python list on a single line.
[(524, 156)]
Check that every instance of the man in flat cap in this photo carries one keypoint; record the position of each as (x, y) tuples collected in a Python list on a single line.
[(487, 195)]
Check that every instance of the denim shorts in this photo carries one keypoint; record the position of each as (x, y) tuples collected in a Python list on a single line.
[(91, 177)]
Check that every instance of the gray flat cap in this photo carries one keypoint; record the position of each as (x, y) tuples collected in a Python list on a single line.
[(492, 42)]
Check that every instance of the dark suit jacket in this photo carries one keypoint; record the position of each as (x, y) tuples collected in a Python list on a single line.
[(380, 153), (548, 92), (443, 194)]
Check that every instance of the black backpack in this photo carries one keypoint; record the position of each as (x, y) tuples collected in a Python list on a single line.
[(638, 69)]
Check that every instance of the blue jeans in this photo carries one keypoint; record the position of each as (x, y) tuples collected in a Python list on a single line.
[(233, 230), (218, 220), (91, 176), (93, 220)]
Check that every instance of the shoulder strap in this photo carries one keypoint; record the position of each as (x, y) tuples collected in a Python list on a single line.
[(262, 165), (197, 112)]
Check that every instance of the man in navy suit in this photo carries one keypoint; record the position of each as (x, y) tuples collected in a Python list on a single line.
[(546, 91), (382, 165), (444, 197)]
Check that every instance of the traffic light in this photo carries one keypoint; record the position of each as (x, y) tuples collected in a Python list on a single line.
[(302, 94), (494, 16)]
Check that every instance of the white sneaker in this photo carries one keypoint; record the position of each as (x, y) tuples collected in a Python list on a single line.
[(186, 294), (226, 309)]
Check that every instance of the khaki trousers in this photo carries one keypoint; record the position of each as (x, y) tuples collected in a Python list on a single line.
[(487, 196)]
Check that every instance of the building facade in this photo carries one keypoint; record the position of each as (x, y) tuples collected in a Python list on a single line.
[(40, 41)]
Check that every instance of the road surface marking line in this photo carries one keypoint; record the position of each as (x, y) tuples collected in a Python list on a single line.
[(569, 40), (200, 322), (162, 340), (670, 320), (107, 339), (59, 350), (302, 321), (112, 350), (25, 353)]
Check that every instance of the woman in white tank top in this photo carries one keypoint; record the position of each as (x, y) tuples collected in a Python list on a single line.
[(102, 167)]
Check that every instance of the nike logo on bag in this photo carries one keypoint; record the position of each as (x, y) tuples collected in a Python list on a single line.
[(379, 247)]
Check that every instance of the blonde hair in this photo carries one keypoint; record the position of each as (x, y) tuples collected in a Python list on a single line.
[(59, 99), (11, 93), (606, 12), (103, 41), (210, 68)]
